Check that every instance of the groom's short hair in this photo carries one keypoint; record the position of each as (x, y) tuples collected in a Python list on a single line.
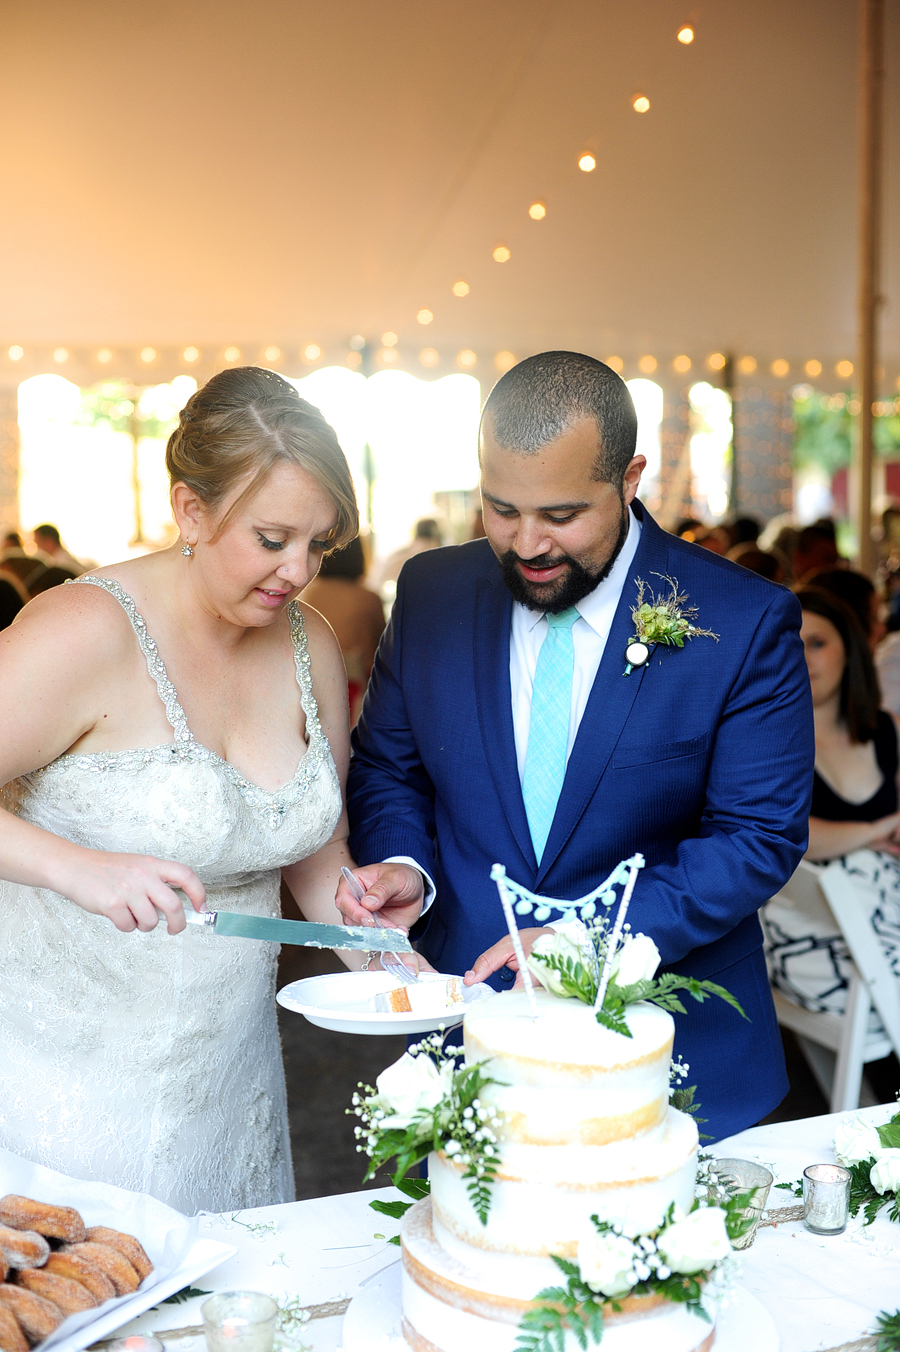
[(541, 397)]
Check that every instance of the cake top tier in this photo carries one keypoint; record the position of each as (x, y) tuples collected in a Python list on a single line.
[(566, 1033)]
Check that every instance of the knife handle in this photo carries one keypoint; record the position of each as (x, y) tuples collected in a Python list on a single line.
[(193, 917)]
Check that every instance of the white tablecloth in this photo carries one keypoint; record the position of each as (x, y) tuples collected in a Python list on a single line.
[(820, 1292)]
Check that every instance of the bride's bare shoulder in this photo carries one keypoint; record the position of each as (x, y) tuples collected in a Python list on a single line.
[(78, 621)]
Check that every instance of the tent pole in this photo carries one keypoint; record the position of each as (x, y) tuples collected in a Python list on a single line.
[(871, 87)]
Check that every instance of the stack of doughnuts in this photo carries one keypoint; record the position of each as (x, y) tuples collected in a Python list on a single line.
[(52, 1265)]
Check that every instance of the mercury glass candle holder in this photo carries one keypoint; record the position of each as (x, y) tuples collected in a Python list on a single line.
[(742, 1176), (826, 1198), (239, 1321)]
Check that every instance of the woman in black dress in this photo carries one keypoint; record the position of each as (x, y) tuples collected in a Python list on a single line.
[(854, 814)]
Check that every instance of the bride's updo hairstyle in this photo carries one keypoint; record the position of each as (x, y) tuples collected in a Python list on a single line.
[(242, 423)]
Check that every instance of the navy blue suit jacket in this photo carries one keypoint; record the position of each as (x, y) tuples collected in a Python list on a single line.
[(702, 760)]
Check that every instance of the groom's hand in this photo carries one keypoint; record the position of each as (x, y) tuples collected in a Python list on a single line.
[(503, 954), (395, 891)]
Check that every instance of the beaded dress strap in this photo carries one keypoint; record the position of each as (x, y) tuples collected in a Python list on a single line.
[(155, 664)]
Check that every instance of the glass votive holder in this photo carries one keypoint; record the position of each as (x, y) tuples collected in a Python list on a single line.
[(136, 1342), (239, 1321), (743, 1176), (826, 1198)]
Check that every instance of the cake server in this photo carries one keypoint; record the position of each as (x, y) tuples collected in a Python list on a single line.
[(389, 960), (304, 932)]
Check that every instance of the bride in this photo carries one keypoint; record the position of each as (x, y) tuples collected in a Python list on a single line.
[(174, 726)]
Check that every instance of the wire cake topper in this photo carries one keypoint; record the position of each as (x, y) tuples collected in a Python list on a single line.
[(584, 908)]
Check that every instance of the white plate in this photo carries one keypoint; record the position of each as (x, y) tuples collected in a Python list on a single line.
[(340, 1001), (372, 1322)]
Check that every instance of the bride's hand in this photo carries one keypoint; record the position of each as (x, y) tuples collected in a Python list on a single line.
[(132, 889)]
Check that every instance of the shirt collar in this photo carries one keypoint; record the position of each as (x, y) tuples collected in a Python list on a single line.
[(598, 607)]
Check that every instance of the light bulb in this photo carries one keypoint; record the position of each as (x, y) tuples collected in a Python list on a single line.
[(537, 211), (587, 163)]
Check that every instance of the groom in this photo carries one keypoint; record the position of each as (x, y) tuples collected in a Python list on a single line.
[(500, 726)]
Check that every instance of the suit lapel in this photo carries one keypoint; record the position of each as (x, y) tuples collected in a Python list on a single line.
[(610, 701), (493, 616)]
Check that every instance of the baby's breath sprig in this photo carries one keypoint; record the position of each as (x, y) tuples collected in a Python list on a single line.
[(429, 1101)]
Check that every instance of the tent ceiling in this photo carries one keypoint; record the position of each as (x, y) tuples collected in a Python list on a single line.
[(292, 172)]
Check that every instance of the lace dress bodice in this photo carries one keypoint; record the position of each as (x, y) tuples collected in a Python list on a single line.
[(149, 1060)]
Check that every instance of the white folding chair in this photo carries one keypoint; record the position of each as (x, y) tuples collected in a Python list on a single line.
[(834, 900)]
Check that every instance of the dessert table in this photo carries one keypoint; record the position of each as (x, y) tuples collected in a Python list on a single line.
[(822, 1293)]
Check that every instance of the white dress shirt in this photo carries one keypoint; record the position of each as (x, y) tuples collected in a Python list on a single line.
[(589, 634)]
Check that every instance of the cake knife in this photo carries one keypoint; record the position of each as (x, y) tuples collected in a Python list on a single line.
[(303, 932)]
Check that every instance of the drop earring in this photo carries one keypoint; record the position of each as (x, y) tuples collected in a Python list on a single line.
[(187, 551)]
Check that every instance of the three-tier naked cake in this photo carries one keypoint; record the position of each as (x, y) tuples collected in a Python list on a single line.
[(587, 1129)]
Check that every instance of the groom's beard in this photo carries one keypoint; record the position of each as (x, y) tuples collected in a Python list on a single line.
[(578, 581)]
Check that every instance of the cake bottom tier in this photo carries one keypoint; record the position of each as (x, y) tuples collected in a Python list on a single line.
[(448, 1307)]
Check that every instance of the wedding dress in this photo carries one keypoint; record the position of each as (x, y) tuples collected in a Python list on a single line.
[(152, 1061)]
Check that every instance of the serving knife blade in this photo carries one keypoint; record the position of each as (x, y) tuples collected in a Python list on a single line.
[(306, 933)]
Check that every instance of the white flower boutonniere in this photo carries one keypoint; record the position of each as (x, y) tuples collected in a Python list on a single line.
[(662, 618)]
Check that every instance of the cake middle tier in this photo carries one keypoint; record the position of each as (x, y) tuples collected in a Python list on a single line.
[(543, 1196)]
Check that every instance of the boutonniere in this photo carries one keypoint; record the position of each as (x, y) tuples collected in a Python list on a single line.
[(660, 618)]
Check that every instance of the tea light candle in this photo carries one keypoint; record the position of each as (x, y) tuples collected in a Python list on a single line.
[(135, 1343), (826, 1198), (239, 1321)]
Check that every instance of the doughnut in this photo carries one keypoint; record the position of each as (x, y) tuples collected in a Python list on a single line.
[(127, 1245), (68, 1296), (78, 1269), (117, 1268), (12, 1339), (38, 1317), (56, 1222), (23, 1248)]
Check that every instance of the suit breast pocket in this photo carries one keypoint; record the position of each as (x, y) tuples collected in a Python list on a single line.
[(651, 753)]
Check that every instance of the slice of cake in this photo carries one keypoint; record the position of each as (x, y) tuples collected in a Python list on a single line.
[(431, 994)]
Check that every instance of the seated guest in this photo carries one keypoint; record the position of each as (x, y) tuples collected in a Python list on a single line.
[(857, 592), (758, 561), (816, 548), (52, 552), (854, 806), (355, 614)]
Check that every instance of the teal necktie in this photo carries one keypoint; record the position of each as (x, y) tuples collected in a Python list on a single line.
[(548, 730)]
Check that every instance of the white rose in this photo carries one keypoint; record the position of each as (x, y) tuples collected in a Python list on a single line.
[(560, 947), (636, 960), (607, 1263), (885, 1172), (856, 1140), (696, 1242), (412, 1085)]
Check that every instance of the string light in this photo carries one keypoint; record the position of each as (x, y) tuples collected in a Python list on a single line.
[(844, 369), (640, 103), (429, 356), (312, 352), (747, 365), (681, 364), (425, 317), (780, 367), (389, 355), (587, 163), (647, 365), (272, 353), (105, 356), (615, 364), (16, 353), (537, 211), (191, 353), (501, 254), (467, 357), (232, 354), (504, 360), (61, 354), (354, 359), (389, 339), (460, 288), (715, 361), (686, 34), (148, 354), (813, 367), (357, 342)]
